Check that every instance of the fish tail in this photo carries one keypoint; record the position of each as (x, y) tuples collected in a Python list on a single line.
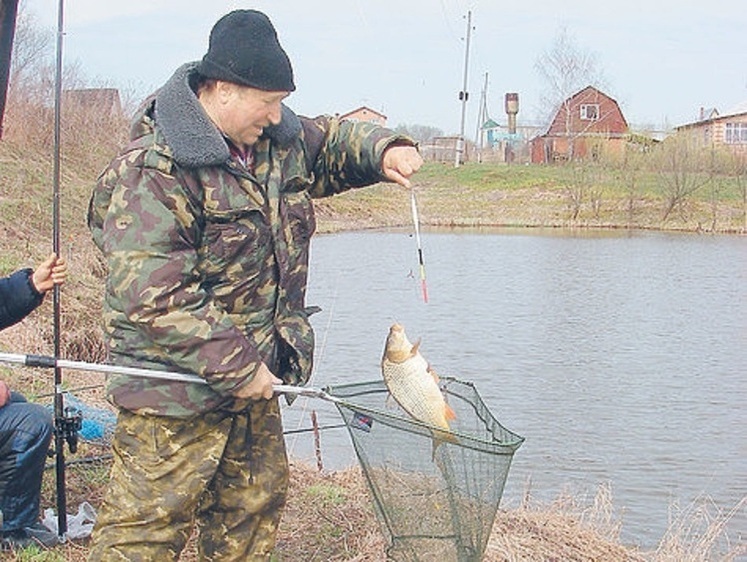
[(439, 437), (447, 436)]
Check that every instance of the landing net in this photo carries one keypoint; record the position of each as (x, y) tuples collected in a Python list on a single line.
[(434, 499)]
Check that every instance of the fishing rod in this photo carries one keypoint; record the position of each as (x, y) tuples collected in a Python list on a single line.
[(46, 361), (67, 422), (416, 223)]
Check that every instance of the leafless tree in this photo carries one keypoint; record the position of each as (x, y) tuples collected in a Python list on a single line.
[(576, 190), (33, 50), (684, 166), (742, 182), (736, 166), (421, 133), (566, 68), (583, 189), (630, 171)]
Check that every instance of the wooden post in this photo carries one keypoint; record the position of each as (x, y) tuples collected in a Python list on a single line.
[(317, 441)]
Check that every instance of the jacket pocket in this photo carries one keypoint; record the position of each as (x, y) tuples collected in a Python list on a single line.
[(235, 243)]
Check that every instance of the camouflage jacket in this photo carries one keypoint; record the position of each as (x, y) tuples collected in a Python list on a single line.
[(207, 262)]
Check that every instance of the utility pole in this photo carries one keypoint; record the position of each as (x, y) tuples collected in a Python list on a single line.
[(463, 95), (482, 117)]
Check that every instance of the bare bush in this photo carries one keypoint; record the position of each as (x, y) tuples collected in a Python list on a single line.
[(683, 168)]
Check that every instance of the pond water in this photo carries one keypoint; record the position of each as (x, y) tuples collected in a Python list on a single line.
[(620, 357)]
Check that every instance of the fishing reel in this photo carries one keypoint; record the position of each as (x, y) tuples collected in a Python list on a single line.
[(68, 425)]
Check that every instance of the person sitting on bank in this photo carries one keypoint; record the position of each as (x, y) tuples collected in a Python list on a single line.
[(25, 429), (23, 291)]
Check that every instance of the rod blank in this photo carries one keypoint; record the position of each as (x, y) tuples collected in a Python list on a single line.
[(48, 362)]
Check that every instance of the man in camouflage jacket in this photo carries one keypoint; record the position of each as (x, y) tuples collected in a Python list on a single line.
[(205, 219)]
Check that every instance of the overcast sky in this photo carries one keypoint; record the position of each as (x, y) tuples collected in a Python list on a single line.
[(662, 59)]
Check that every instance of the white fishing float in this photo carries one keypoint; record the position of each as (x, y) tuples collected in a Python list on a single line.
[(416, 223)]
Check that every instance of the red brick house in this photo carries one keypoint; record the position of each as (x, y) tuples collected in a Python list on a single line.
[(587, 125), (364, 113)]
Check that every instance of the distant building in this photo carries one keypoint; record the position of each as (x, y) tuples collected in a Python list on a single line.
[(728, 130), (444, 149), (104, 101), (364, 113), (587, 125), (496, 142)]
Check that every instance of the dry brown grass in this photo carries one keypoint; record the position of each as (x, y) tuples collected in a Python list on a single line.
[(329, 518)]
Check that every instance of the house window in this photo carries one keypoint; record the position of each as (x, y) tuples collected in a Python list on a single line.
[(735, 133), (590, 111)]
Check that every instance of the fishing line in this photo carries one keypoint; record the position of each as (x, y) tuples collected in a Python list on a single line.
[(416, 223), (320, 356)]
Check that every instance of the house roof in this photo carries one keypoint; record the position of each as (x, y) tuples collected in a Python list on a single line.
[(362, 108), (587, 95), (709, 113), (739, 109)]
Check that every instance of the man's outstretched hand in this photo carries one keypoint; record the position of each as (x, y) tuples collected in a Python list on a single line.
[(400, 163)]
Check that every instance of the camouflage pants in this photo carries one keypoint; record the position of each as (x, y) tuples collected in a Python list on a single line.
[(225, 473)]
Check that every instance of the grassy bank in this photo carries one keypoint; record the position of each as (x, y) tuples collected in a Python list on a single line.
[(569, 196)]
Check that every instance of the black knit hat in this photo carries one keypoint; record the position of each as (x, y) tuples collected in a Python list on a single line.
[(244, 49)]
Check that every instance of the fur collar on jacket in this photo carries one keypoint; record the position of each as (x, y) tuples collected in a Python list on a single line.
[(192, 136)]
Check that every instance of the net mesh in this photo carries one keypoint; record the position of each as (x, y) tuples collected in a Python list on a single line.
[(435, 498)]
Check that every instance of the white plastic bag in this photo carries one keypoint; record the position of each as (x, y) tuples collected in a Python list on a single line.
[(79, 525)]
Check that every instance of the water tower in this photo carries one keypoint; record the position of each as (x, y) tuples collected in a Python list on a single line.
[(512, 108)]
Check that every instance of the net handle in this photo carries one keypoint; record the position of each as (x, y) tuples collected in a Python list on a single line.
[(308, 391)]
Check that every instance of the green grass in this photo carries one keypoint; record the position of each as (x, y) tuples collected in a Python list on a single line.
[(37, 554), (614, 181), (327, 494), (607, 195)]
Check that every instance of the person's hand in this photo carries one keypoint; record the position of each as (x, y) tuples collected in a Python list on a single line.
[(261, 386), (4, 393), (400, 162), (50, 272)]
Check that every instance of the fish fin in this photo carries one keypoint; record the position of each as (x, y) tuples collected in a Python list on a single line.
[(415, 348), (449, 412), (433, 374)]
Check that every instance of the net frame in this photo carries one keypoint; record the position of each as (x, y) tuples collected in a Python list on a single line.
[(435, 496)]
